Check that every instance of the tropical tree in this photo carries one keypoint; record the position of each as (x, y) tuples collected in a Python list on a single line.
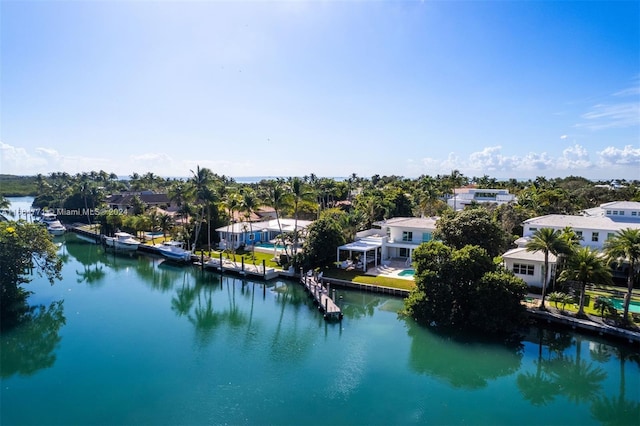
[(299, 193), (275, 196), (586, 265), (547, 241), (625, 246), (200, 181), (231, 204), (471, 227), (248, 204), (24, 247), (462, 289), (165, 223)]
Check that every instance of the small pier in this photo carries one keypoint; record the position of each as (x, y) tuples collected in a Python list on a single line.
[(241, 268), (321, 296)]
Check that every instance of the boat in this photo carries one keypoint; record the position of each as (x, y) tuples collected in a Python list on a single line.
[(174, 250), (56, 228), (122, 241), (47, 218)]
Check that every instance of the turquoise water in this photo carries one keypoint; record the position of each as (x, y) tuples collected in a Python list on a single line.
[(619, 305), (128, 339), (407, 273)]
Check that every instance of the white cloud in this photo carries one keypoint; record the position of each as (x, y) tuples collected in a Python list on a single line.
[(564, 137), (490, 160), (17, 161), (628, 156), (574, 157)]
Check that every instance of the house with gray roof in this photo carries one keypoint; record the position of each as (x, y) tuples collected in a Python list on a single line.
[(594, 226)]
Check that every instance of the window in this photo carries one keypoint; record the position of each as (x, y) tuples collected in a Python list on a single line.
[(533, 229), (579, 234), (610, 235), (403, 252), (251, 237), (595, 236), (426, 237), (615, 212), (621, 212), (634, 213), (407, 236), (388, 232), (608, 212), (522, 269)]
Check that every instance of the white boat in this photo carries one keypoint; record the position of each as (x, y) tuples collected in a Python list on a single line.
[(56, 228), (47, 218), (122, 241), (174, 250)]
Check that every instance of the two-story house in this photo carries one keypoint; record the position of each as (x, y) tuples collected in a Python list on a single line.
[(464, 197), (594, 226), (394, 238)]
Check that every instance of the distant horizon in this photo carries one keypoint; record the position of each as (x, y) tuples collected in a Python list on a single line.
[(258, 178), (405, 88)]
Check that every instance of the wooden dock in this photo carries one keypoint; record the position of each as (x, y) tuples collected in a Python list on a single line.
[(321, 296), (241, 268)]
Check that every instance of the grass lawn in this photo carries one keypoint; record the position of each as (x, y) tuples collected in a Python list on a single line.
[(359, 277), (588, 308), (257, 256)]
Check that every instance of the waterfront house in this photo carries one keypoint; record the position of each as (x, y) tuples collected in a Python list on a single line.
[(394, 238), (240, 234), (594, 226)]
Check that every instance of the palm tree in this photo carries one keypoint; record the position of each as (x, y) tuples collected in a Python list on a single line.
[(248, 205), (586, 265), (299, 193), (276, 197), (201, 180), (547, 241), (231, 203), (625, 244), (166, 223)]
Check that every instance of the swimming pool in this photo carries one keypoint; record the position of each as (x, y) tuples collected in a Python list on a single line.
[(407, 273), (633, 306), (270, 246)]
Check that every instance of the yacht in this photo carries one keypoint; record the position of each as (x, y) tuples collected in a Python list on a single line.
[(122, 241), (55, 227), (174, 250)]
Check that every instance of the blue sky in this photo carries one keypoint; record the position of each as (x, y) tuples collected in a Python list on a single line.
[(504, 88)]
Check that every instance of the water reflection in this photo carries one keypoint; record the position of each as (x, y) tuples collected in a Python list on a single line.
[(462, 364), (31, 345), (559, 373)]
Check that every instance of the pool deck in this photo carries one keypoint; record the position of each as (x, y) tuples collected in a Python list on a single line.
[(391, 269)]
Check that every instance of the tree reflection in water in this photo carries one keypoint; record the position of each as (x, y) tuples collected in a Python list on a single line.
[(578, 380), (30, 346), (619, 410), (456, 362)]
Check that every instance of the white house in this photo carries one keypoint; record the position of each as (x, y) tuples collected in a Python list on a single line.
[(396, 238), (595, 226), (244, 233), (528, 265), (462, 197)]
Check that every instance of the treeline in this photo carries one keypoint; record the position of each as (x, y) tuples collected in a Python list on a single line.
[(207, 200), (17, 186)]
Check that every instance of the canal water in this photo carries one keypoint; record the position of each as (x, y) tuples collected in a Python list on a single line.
[(130, 339)]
